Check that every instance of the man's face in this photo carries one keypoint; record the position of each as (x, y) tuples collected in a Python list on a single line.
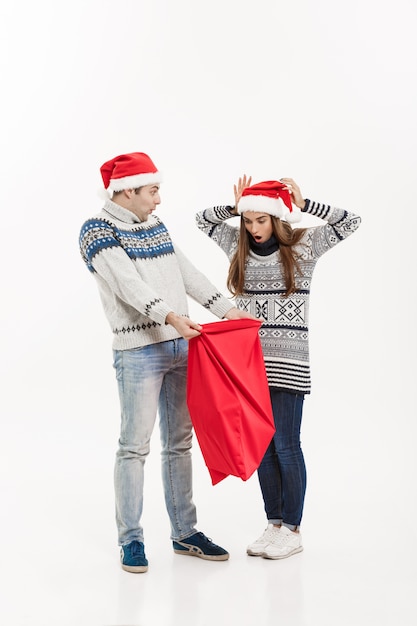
[(145, 201)]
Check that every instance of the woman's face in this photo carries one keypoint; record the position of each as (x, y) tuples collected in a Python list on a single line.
[(259, 225)]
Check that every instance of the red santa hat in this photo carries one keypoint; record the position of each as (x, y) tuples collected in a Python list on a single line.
[(129, 171), (270, 196)]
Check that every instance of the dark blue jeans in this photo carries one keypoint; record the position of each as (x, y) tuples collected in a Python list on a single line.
[(282, 472)]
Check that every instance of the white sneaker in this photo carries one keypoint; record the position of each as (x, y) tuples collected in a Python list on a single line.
[(257, 548), (283, 544)]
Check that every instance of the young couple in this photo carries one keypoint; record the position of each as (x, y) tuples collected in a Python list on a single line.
[(144, 280)]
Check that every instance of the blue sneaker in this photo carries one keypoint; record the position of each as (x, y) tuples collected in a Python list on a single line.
[(132, 557), (201, 546)]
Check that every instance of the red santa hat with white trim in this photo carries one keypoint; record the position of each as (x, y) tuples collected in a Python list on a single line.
[(129, 171), (270, 196)]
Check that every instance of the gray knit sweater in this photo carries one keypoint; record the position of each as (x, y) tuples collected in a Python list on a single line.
[(284, 332), (142, 276)]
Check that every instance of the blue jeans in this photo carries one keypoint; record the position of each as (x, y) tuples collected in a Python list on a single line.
[(152, 380), (282, 472)]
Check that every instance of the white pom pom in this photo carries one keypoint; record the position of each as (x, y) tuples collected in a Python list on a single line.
[(294, 216), (103, 194)]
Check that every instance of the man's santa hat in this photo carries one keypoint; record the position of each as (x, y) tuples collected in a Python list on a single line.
[(270, 196), (129, 171)]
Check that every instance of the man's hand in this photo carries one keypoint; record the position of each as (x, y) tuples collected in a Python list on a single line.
[(184, 326), (236, 314)]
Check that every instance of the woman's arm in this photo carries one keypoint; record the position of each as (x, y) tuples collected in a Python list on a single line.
[(340, 223), (212, 222)]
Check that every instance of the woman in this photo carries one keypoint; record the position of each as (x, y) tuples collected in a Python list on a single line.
[(271, 267)]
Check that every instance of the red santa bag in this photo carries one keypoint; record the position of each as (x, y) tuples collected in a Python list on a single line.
[(228, 398)]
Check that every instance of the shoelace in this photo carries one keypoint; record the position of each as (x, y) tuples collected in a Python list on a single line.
[(137, 549), (268, 532), (206, 539), (280, 539)]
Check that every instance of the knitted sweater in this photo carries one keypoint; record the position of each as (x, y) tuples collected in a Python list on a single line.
[(284, 332), (142, 276)]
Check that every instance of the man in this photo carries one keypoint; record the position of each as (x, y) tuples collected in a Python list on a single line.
[(144, 280)]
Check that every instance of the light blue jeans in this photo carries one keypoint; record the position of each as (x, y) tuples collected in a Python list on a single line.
[(153, 380)]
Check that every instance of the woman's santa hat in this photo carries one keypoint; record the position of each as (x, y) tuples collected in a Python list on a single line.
[(270, 196), (129, 171)]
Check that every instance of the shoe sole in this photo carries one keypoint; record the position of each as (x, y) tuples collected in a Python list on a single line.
[(135, 569), (282, 556), (201, 555), (253, 553)]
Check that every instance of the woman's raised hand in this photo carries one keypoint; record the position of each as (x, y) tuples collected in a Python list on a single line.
[(240, 187), (295, 192)]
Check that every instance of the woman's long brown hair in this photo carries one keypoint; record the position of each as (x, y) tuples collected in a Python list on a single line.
[(286, 236)]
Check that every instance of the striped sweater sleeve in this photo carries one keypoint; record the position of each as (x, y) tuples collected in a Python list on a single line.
[(340, 225)]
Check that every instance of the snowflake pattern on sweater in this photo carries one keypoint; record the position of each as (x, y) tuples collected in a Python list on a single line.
[(142, 276), (284, 332)]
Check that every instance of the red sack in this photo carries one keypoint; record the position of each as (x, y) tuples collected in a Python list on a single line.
[(228, 397)]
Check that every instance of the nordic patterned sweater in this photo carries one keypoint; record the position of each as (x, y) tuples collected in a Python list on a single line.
[(142, 276), (284, 332)]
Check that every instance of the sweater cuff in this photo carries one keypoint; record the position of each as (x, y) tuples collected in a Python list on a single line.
[(323, 211), (159, 312), (219, 305)]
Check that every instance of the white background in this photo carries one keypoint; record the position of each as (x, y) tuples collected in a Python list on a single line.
[(324, 92)]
